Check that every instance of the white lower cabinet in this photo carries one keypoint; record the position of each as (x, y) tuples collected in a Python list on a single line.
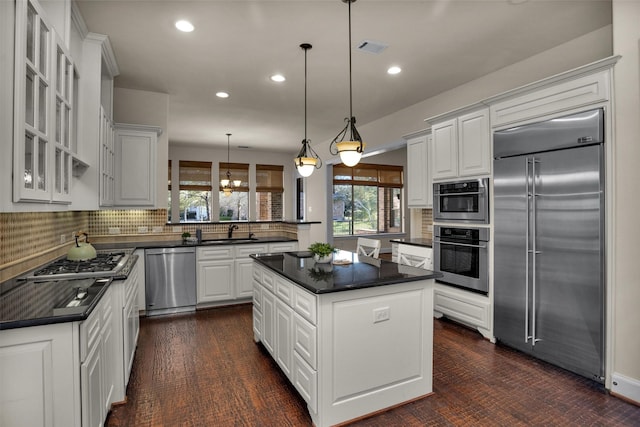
[(39, 384), (284, 337), (215, 280), (469, 308), (268, 331)]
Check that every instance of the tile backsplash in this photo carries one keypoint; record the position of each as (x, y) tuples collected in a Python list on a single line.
[(30, 239), (427, 223)]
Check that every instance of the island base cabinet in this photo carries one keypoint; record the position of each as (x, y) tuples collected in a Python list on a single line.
[(375, 350)]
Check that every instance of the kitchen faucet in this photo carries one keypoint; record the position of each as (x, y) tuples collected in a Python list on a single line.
[(250, 233), (230, 230)]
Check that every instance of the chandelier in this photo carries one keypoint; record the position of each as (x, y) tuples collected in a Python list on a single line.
[(227, 184)]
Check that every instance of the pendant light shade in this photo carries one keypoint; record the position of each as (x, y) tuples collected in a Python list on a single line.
[(307, 160), (226, 183), (348, 143)]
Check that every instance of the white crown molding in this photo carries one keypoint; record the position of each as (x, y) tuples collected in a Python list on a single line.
[(107, 52)]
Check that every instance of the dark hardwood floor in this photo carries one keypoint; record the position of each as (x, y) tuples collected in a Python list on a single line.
[(204, 369)]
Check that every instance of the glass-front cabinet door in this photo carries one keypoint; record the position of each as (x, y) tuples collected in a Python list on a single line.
[(43, 109)]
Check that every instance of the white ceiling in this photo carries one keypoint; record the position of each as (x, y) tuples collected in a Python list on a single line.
[(238, 44)]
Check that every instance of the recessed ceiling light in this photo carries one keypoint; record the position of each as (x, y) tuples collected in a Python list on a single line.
[(185, 26), (222, 94), (279, 78), (394, 70)]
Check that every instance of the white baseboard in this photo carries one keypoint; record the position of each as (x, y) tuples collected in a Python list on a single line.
[(626, 387)]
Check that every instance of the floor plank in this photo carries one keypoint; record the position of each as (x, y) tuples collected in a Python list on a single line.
[(203, 369)]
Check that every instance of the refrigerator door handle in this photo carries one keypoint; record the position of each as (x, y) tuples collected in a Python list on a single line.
[(527, 337), (534, 252)]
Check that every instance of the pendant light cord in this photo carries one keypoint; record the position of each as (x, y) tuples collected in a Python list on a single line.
[(350, 79), (305, 92)]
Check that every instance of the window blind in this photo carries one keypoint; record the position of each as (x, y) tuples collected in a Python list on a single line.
[(195, 176), (239, 171), (269, 178)]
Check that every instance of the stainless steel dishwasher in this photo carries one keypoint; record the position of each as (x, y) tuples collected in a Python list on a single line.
[(170, 280)]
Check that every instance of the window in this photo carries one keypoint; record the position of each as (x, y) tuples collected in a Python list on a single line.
[(235, 206), (269, 192), (367, 199), (195, 191)]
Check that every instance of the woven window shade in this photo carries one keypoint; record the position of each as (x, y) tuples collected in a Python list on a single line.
[(169, 174), (238, 171), (368, 174), (269, 179), (195, 176)]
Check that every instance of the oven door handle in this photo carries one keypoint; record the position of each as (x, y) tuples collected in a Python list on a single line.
[(460, 244), (459, 194)]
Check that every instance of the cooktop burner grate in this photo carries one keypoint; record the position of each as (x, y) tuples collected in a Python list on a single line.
[(104, 264)]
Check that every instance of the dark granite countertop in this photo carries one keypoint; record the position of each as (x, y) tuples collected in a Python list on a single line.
[(178, 243), (414, 242), (33, 303), (362, 272)]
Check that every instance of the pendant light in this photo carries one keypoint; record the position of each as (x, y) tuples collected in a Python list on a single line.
[(348, 143), (307, 160), (227, 184)]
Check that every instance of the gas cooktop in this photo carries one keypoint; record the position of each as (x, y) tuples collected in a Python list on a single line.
[(105, 264)]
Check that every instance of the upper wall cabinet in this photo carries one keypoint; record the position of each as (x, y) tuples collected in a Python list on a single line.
[(563, 96), (44, 113), (418, 180), (136, 149), (461, 146)]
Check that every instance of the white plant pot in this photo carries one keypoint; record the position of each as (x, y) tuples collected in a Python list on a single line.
[(323, 259)]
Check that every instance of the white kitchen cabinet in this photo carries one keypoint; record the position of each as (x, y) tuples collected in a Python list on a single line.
[(268, 331), (107, 160), (418, 178), (461, 146), (215, 280), (565, 95), (244, 268), (284, 337), (135, 165), (43, 109), (43, 364), (97, 358), (283, 247), (466, 307), (130, 322)]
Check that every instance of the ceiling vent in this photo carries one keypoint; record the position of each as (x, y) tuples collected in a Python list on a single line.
[(370, 46)]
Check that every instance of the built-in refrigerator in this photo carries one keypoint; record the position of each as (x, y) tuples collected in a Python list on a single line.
[(549, 241)]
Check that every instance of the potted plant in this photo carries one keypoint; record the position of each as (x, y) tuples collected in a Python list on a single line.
[(185, 237), (322, 252)]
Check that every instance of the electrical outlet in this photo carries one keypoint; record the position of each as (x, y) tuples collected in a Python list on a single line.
[(380, 314), (142, 230), (114, 230), (63, 238), (264, 226), (176, 229), (157, 229)]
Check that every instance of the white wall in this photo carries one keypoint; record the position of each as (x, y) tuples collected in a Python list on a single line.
[(253, 157), (626, 251), (147, 108)]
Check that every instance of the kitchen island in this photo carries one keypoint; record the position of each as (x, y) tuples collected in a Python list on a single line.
[(354, 337)]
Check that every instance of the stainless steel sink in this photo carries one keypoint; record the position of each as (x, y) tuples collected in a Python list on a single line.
[(231, 240)]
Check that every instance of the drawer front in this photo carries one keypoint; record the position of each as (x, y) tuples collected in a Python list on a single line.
[(283, 246), (284, 290), (257, 295), (257, 322), (269, 280), (225, 252), (305, 340), (257, 272), (305, 380), (305, 304), (90, 333), (243, 251)]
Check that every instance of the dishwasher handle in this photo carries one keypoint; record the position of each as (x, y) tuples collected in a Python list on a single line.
[(165, 251)]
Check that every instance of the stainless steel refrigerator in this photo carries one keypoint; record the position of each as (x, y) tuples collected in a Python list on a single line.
[(549, 241)]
